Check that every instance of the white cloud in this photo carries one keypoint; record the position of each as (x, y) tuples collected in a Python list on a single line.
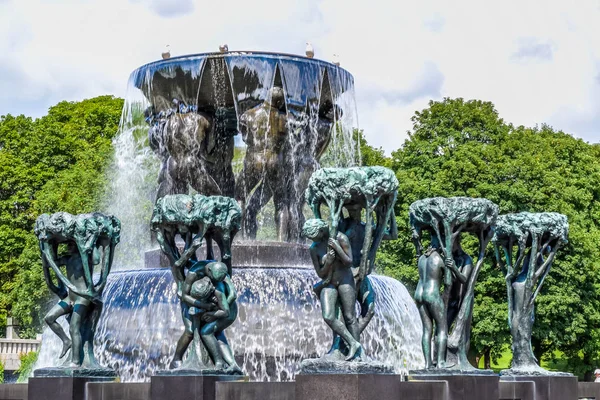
[(537, 61), (533, 48), (169, 8)]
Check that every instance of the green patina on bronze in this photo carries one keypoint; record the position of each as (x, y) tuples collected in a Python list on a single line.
[(198, 219), (372, 188), (90, 240), (343, 250), (537, 237), (447, 276)]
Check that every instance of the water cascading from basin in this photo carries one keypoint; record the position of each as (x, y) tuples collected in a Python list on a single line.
[(279, 324), (318, 103)]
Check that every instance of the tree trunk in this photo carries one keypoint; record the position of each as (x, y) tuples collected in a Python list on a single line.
[(487, 362), (521, 328)]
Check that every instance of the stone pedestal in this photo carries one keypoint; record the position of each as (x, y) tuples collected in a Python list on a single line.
[(423, 390), (590, 390), (524, 390), (549, 387), (187, 387), (347, 386), (13, 391), (255, 391), (60, 388), (117, 391), (465, 386)]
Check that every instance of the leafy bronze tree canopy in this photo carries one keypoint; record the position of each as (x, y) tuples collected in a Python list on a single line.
[(183, 209), (473, 213), (522, 225)]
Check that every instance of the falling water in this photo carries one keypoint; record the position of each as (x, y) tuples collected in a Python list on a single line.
[(217, 84), (132, 181), (279, 324)]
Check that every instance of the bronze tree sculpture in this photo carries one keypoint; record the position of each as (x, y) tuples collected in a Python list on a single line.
[(207, 294), (526, 245), (90, 240), (344, 271), (447, 275)]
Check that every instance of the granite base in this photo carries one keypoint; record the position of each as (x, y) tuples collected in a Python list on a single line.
[(524, 390), (60, 388), (182, 387), (13, 391), (78, 372), (549, 387), (255, 391), (464, 387), (423, 390), (117, 391), (347, 386), (588, 390)]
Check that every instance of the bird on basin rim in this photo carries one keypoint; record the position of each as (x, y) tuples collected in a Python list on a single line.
[(310, 52), (167, 53)]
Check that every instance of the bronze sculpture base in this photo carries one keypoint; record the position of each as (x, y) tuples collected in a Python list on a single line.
[(328, 366), (81, 372)]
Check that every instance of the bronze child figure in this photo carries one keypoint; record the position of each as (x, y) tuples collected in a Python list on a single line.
[(332, 259)]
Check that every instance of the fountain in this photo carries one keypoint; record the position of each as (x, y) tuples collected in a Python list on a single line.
[(196, 105), (237, 141)]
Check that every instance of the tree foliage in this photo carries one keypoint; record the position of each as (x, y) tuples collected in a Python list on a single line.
[(463, 148), (26, 367), (54, 163)]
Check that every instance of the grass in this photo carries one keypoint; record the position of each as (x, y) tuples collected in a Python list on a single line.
[(503, 362)]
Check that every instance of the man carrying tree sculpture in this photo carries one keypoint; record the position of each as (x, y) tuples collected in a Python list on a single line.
[(447, 276), (197, 219), (90, 240), (344, 249)]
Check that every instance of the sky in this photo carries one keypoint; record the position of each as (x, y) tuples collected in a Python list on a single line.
[(537, 61)]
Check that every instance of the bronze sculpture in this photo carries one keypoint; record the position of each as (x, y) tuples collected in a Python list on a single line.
[(90, 240), (264, 174), (332, 258), (206, 310), (537, 237), (447, 275), (285, 108), (343, 250)]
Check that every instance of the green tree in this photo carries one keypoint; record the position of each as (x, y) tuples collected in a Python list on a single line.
[(55, 163), (463, 148), (26, 368)]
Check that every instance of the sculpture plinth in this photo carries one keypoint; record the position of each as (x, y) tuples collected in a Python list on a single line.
[(347, 386), (187, 387)]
